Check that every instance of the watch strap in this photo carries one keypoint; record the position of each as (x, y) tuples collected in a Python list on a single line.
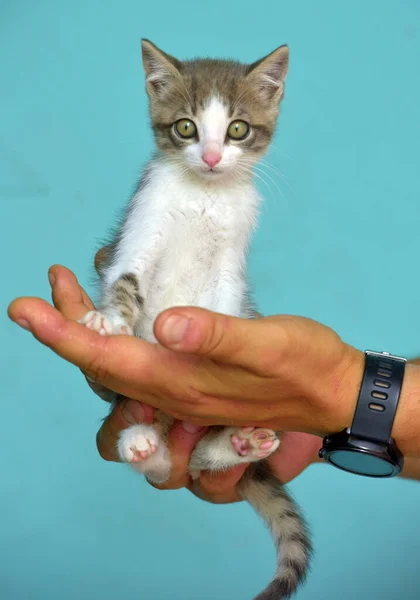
[(378, 397)]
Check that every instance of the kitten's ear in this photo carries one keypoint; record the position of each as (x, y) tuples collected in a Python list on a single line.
[(160, 68), (269, 73)]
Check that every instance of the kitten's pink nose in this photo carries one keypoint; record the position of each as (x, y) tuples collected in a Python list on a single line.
[(211, 158)]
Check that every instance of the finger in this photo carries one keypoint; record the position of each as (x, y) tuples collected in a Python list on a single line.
[(73, 302), (126, 413), (101, 257), (182, 439), (242, 342), (125, 364), (219, 488), (296, 452), (67, 294), (104, 359)]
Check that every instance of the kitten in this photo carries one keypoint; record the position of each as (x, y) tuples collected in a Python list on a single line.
[(184, 241)]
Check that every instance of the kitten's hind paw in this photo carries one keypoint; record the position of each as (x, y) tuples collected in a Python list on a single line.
[(138, 443), (106, 324), (254, 444), (142, 447)]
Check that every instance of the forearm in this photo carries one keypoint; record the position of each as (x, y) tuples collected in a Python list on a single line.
[(406, 429), (411, 469)]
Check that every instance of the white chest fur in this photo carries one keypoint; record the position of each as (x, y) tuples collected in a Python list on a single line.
[(186, 240)]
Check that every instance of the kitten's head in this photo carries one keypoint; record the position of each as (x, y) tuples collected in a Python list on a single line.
[(214, 117)]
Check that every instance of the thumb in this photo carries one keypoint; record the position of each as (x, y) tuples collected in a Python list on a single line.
[(249, 343)]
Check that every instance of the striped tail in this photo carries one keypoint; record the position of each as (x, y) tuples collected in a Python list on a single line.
[(294, 549)]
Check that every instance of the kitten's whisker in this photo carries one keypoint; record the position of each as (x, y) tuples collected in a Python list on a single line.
[(248, 171), (261, 166), (268, 166), (283, 178), (273, 182), (255, 168), (261, 175), (271, 179)]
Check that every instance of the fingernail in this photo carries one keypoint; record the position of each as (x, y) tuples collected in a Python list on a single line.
[(133, 412), (23, 323), (51, 279), (174, 329), (191, 428)]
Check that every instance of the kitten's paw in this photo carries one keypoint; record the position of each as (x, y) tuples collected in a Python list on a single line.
[(254, 443), (138, 443), (106, 324)]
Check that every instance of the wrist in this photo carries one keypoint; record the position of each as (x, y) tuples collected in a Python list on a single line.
[(344, 388), (406, 427)]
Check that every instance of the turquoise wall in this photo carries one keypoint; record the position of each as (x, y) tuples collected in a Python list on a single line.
[(338, 242)]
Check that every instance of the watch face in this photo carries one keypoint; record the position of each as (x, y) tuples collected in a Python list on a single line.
[(361, 463)]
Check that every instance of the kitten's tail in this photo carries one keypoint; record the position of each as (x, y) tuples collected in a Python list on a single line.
[(269, 498)]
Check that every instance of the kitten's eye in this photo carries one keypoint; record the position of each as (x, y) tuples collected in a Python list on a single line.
[(238, 130), (185, 128)]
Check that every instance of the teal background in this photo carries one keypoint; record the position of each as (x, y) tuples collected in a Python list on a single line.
[(339, 243)]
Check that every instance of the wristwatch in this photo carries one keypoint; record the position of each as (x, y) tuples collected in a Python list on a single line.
[(366, 448)]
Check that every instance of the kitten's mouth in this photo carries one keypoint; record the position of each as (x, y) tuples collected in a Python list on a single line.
[(211, 172)]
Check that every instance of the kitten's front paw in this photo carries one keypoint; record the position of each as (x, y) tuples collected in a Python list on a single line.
[(138, 443), (254, 443), (106, 324)]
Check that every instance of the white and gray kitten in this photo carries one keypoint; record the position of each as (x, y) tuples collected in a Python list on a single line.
[(184, 242)]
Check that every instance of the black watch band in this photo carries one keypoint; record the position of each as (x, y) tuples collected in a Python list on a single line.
[(378, 397), (367, 448)]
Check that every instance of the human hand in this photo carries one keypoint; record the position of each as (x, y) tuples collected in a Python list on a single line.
[(64, 342), (284, 372), (296, 452), (72, 301)]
